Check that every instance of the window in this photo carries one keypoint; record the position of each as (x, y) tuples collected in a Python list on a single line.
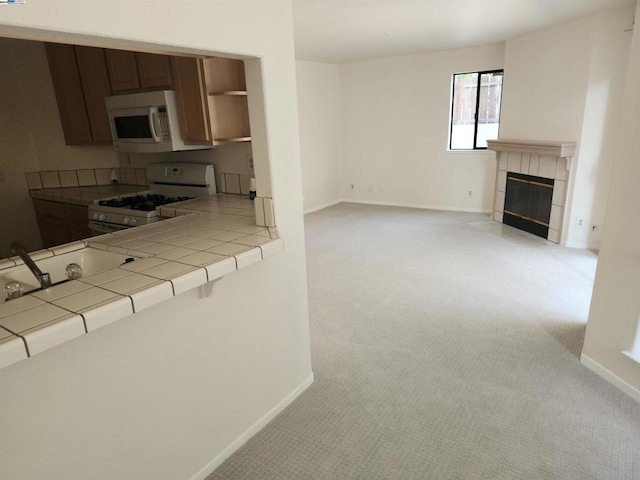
[(475, 109)]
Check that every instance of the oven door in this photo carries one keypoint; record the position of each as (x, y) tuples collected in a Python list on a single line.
[(100, 228)]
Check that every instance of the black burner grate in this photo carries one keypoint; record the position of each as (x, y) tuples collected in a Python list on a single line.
[(145, 203)]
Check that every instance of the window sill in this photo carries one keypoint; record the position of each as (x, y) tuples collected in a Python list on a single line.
[(477, 150)]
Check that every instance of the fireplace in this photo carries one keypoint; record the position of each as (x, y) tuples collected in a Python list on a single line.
[(532, 185), (527, 203)]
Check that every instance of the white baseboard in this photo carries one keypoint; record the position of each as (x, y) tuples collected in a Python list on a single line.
[(251, 431), (321, 207), (610, 377), (413, 205), (583, 245)]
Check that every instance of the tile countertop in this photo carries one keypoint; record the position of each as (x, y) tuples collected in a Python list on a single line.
[(85, 195), (206, 239)]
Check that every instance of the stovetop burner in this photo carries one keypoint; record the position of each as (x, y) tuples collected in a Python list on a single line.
[(145, 203)]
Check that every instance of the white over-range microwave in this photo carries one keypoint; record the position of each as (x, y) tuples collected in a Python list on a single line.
[(146, 122)]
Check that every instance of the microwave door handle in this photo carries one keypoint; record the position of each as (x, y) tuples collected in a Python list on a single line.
[(154, 124)]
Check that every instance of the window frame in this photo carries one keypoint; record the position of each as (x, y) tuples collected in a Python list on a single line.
[(475, 125)]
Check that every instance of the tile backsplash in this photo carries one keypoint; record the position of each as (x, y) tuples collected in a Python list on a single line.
[(235, 183), (85, 177)]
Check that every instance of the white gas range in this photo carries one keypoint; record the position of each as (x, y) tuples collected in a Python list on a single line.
[(168, 183)]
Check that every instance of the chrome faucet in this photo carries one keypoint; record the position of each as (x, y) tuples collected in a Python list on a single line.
[(19, 249)]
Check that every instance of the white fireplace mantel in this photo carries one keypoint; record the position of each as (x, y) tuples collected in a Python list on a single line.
[(547, 159), (555, 149)]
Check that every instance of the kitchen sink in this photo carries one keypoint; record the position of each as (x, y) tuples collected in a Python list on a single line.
[(90, 260)]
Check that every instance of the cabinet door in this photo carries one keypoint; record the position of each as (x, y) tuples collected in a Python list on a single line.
[(78, 219), (154, 70), (54, 232), (50, 210), (69, 94), (52, 222), (95, 83), (123, 70), (192, 100)]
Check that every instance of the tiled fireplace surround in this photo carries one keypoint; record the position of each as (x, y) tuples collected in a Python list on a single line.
[(541, 159)]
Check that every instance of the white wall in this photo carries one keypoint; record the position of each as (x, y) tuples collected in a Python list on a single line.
[(166, 392), (603, 108), (395, 123), (615, 305), (319, 114), (564, 83), (31, 138)]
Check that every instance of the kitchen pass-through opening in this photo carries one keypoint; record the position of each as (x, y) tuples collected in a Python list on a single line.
[(527, 204)]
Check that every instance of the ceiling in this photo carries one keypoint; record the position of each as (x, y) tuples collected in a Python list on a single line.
[(340, 31)]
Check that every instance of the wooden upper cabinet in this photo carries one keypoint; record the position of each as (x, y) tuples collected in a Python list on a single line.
[(67, 85), (94, 74), (123, 70), (211, 92), (192, 100), (154, 70)]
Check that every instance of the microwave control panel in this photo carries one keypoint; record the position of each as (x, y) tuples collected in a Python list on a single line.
[(163, 117)]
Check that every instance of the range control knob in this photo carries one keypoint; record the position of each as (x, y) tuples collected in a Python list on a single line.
[(125, 220), (102, 217), (133, 222), (95, 216)]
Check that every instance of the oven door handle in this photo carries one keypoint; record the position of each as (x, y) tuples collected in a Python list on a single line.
[(154, 123), (101, 228)]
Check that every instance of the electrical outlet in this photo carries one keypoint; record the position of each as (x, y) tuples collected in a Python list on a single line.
[(250, 162), (353, 187), (594, 228), (470, 194), (579, 223)]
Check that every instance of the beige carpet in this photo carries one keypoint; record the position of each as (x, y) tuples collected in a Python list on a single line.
[(444, 346)]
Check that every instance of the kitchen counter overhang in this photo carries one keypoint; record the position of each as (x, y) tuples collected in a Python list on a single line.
[(207, 238)]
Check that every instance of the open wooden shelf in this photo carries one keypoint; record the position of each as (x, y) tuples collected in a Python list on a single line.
[(227, 100)]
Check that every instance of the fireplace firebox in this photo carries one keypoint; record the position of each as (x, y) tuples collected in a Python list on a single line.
[(527, 204)]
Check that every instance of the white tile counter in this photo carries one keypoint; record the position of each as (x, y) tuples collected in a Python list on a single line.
[(206, 239)]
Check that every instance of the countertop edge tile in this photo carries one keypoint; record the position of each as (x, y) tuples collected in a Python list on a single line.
[(67, 247), (12, 350), (107, 312), (151, 295), (188, 280), (248, 257), (7, 263), (53, 333), (272, 247), (221, 268)]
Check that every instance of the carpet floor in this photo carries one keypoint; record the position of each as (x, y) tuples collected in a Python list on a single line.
[(444, 346)]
